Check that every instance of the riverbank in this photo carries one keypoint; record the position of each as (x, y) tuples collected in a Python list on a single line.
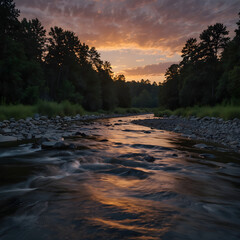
[(42, 128), (53, 109), (210, 129), (226, 112)]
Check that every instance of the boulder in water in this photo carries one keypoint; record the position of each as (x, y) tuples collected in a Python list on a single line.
[(7, 138)]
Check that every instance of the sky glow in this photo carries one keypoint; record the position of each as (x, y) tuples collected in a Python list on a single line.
[(141, 38)]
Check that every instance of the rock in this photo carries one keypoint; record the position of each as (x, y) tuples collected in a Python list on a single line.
[(172, 117), (72, 146), (103, 140), (67, 119), (29, 136), (178, 128), (61, 145), (41, 139), (6, 130), (36, 116), (7, 138), (202, 146), (28, 119), (149, 158), (206, 118), (192, 136), (147, 132), (207, 155), (66, 135), (6, 122), (44, 118), (80, 134), (48, 145)]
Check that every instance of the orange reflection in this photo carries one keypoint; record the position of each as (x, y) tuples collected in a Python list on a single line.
[(130, 225)]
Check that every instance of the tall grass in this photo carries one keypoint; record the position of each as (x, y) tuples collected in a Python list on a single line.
[(49, 109), (65, 108), (16, 111), (52, 109), (227, 112)]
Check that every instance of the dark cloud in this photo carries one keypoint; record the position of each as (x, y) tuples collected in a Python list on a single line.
[(148, 70), (163, 24)]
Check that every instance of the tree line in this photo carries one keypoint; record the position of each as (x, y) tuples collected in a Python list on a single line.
[(57, 66), (209, 72)]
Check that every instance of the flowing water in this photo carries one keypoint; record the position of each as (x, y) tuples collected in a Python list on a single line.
[(126, 182)]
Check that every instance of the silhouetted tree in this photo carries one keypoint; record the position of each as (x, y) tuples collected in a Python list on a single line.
[(213, 41), (169, 90), (122, 91), (33, 37), (228, 88)]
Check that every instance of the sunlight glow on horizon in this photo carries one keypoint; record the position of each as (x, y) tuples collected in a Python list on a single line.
[(139, 38)]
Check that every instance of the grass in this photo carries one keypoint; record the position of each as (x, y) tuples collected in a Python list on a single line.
[(132, 110), (52, 109), (227, 112), (16, 111), (49, 109), (124, 111), (65, 108)]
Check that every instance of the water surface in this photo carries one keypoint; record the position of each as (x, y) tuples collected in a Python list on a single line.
[(126, 182)]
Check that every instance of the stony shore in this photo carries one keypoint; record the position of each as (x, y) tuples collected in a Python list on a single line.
[(44, 129), (210, 129)]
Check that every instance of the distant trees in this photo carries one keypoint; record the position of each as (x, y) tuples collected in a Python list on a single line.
[(144, 93), (169, 93), (122, 91), (208, 72)]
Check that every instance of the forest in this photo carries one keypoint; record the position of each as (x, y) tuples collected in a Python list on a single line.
[(57, 66), (208, 74)]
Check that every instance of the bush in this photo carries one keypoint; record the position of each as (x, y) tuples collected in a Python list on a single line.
[(64, 108), (164, 113), (16, 111)]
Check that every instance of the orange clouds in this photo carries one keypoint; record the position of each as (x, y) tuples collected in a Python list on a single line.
[(160, 24), (134, 33), (149, 70)]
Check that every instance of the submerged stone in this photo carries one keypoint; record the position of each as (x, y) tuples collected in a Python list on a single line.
[(202, 146), (7, 138)]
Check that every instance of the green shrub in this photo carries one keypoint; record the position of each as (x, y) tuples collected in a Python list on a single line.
[(226, 112), (64, 108), (16, 111), (163, 113), (49, 108)]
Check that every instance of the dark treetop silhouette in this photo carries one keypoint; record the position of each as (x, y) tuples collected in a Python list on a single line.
[(58, 67)]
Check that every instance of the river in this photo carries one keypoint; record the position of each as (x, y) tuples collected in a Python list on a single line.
[(126, 182)]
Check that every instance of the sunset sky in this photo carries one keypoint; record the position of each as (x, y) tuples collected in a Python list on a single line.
[(141, 38)]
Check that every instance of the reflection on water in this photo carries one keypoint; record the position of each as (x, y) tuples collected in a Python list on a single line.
[(127, 182)]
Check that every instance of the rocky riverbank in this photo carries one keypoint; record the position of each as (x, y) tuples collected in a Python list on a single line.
[(210, 129), (44, 129)]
